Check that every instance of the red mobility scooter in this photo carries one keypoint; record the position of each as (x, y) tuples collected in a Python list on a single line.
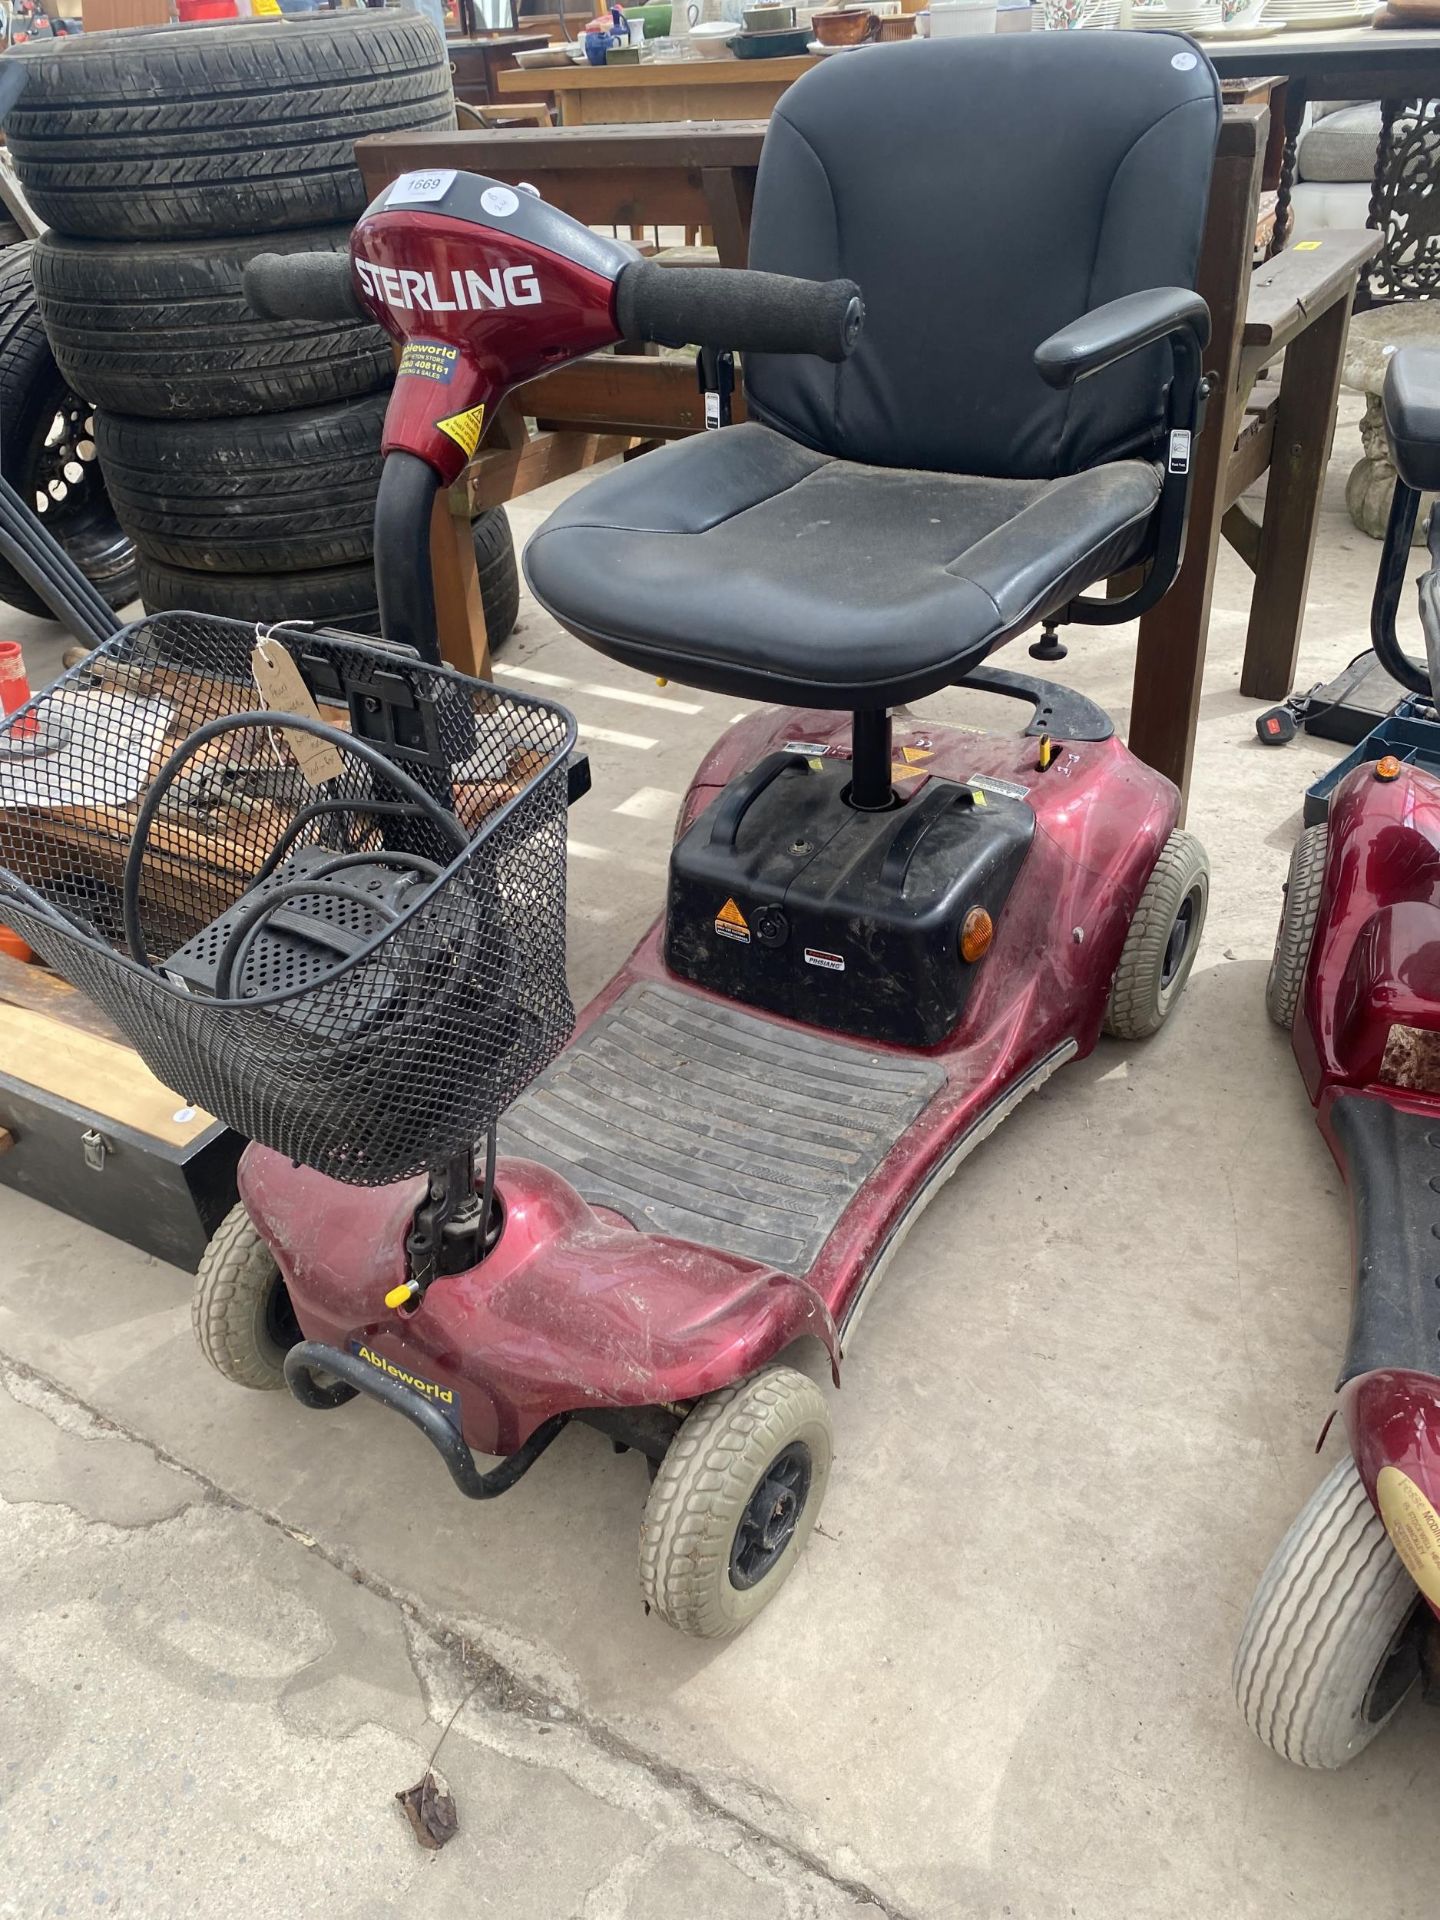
[(879, 934), (1344, 1623)]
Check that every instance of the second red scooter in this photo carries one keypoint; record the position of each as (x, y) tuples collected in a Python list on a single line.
[(1345, 1624)]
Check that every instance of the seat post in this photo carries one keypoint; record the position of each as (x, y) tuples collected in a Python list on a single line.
[(870, 789)]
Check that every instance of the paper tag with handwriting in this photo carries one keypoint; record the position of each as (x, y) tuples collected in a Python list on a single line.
[(278, 680)]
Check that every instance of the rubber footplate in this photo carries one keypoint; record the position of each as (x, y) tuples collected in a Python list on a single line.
[(1392, 1168), (716, 1126)]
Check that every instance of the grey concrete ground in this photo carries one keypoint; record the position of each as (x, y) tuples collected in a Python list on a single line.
[(1082, 1410)]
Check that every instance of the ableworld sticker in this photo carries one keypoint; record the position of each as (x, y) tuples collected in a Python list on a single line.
[(445, 1398)]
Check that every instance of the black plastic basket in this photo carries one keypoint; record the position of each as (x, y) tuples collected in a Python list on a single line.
[(358, 960)]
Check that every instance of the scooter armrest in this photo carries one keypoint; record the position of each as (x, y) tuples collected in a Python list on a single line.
[(1101, 338), (1412, 415), (1122, 327)]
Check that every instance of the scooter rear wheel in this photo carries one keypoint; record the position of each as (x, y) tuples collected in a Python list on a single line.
[(734, 1502), (1296, 933), (1329, 1652), (1162, 942), (244, 1323)]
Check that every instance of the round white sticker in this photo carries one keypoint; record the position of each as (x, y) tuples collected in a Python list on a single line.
[(1183, 62), (500, 201)]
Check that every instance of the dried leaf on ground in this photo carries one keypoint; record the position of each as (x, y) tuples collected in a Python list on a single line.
[(431, 1811)]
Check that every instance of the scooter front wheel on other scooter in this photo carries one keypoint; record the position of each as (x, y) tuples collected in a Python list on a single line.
[(1330, 1649), (734, 1501), (1162, 941), (241, 1312), (1296, 933)]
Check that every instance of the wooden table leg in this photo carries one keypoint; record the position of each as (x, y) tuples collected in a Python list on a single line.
[(1304, 429), (1296, 98), (1273, 172), (730, 197), (1170, 655), (1389, 113), (459, 613)]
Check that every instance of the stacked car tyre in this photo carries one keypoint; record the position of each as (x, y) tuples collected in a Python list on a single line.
[(47, 449), (242, 454)]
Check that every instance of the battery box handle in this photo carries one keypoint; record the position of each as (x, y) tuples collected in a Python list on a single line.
[(738, 798)]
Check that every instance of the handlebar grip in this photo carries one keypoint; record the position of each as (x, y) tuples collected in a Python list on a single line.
[(302, 286), (733, 307)]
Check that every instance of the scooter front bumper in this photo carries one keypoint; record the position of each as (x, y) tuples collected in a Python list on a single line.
[(354, 1374)]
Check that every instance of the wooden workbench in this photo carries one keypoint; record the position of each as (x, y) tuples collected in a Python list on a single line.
[(664, 90)]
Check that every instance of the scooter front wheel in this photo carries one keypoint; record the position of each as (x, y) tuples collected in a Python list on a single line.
[(241, 1313), (1296, 933), (1330, 1649), (734, 1501)]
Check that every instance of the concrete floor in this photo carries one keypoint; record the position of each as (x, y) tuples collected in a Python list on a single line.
[(1082, 1411)]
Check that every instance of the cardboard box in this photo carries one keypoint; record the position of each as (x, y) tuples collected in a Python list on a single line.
[(97, 15)]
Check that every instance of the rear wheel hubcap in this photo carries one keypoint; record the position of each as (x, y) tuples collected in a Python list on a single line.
[(771, 1516)]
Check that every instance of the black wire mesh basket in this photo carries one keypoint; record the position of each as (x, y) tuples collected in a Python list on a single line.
[(331, 913)]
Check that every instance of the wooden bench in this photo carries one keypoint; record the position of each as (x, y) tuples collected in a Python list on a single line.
[(1299, 306)]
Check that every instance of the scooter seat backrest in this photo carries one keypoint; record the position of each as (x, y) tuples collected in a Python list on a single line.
[(983, 193)]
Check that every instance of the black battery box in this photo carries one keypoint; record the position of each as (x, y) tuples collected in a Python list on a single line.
[(784, 897)]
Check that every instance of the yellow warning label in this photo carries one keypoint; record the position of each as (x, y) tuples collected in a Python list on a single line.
[(916, 756), (1414, 1525), (731, 924), (464, 428), (1308, 246), (902, 770)]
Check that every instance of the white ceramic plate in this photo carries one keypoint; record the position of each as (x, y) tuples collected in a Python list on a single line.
[(1317, 14), (1241, 30), (1329, 20), (1176, 19)]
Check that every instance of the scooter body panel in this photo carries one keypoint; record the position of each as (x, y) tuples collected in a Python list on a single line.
[(578, 1309), (1373, 980), (1392, 1418), (572, 1309), (483, 287)]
